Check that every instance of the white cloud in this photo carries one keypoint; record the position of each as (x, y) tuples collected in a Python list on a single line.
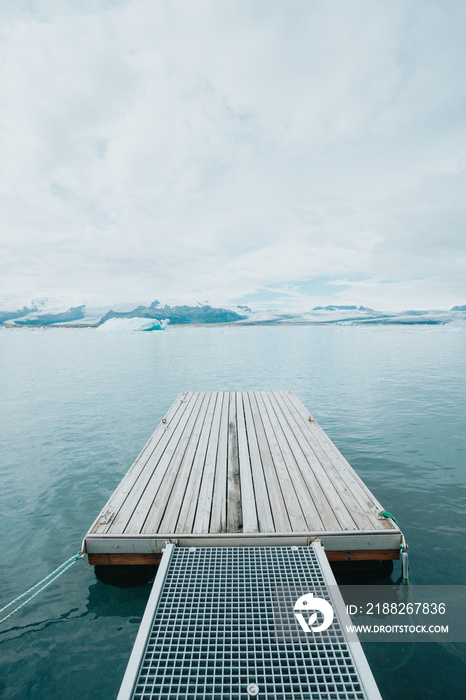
[(210, 149)]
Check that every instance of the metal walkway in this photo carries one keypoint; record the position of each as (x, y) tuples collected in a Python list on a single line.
[(221, 624)]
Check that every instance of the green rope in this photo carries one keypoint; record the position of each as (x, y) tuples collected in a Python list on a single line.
[(39, 587), (386, 514)]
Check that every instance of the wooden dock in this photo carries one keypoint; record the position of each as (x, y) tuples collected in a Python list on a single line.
[(240, 468)]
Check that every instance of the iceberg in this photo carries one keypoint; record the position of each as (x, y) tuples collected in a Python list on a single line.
[(134, 324)]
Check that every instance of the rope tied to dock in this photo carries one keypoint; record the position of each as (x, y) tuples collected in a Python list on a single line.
[(41, 585), (403, 547)]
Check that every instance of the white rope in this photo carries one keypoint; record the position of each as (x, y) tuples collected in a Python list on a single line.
[(41, 585)]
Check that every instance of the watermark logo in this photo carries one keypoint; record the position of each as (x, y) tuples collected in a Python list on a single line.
[(308, 604)]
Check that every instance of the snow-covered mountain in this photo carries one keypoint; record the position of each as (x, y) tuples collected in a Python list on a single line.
[(60, 312), (360, 315), (72, 312)]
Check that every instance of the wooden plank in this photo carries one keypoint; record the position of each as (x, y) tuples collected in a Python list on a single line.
[(174, 486), (264, 511), (365, 496), (154, 559), (319, 493), (124, 559), (218, 519), (141, 504), (280, 515), (333, 513), (121, 493), (248, 496), (313, 432), (204, 505), (292, 504), (343, 483), (234, 510), (333, 510), (165, 507), (192, 492), (364, 555), (171, 430), (304, 494)]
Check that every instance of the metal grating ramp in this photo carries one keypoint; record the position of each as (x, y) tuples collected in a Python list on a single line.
[(220, 624)]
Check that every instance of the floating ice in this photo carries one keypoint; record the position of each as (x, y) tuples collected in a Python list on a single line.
[(134, 324)]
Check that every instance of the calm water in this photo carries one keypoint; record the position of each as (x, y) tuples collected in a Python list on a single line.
[(77, 406)]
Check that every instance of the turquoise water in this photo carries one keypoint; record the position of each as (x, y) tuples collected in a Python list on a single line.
[(77, 406)]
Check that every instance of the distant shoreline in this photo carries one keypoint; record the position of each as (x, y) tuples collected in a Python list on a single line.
[(343, 323)]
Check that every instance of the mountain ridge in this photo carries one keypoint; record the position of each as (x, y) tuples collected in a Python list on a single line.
[(63, 312)]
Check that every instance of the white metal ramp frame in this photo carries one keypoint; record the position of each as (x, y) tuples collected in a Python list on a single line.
[(209, 630)]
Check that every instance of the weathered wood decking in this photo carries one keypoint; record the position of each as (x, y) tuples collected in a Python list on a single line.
[(249, 467)]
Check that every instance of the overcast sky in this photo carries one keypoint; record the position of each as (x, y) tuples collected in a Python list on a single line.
[(284, 154)]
